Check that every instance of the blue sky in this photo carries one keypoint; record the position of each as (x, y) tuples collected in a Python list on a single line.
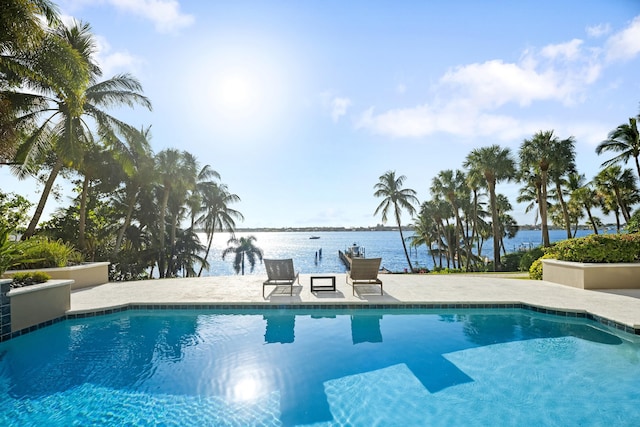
[(301, 106)]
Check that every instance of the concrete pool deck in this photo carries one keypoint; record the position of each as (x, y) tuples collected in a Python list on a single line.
[(620, 306)]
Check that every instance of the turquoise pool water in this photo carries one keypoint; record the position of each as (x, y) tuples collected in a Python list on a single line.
[(321, 368)]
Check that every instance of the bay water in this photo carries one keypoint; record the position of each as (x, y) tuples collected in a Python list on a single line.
[(320, 255)]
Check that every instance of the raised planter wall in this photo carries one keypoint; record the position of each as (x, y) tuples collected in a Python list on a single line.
[(35, 304), (5, 310), (592, 275), (84, 275)]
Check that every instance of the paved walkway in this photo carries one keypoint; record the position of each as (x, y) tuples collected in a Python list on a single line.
[(620, 306)]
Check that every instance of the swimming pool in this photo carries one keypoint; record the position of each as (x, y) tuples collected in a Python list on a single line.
[(323, 368)]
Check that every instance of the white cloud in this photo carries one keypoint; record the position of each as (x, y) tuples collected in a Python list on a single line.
[(339, 107), (401, 88), (625, 44), (467, 97), (598, 30), (569, 51), (165, 14), (454, 119), (114, 62)]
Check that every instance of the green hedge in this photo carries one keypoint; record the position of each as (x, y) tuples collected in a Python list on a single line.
[(600, 248)]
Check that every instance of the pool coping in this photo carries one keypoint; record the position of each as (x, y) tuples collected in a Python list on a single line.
[(577, 314), (401, 291)]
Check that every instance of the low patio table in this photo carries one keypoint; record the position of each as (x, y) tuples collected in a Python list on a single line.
[(315, 287)]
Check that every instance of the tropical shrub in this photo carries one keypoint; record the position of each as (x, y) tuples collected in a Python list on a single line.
[(44, 253), (633, 226), (529, 257), (535, 271), (511, 261), (606, 248), (8, 249), (29, 278)]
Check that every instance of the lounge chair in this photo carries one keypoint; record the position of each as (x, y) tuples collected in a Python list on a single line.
[(280, 272), (364, 271)]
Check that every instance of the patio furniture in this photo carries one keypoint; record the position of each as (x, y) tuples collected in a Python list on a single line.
[(364, 271), (280, 272)]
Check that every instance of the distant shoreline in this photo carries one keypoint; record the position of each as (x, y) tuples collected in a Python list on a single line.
[(375, 228)]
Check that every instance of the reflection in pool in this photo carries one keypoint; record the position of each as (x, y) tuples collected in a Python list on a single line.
[(321, 367)]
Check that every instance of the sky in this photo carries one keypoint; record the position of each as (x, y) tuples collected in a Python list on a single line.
[(302, 105)]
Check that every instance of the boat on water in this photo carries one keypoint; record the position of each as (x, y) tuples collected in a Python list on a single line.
[(353, 251), (314, 237)]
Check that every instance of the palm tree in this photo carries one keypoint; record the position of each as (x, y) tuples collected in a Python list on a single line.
[(537, 155), (452, 186), (424, 231), (495, 164), (217, 216), (174, 173), (32, 58), (439, 211), (64, 132), (194, 200), (243, 248), (624, 140), (397, 198), (138, 172), (564, 163), (622, 185)]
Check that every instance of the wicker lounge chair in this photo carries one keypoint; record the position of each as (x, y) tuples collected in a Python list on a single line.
[(280, 272), (364, 271)]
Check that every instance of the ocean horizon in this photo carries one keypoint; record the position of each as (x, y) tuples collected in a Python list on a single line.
[(320, 254)]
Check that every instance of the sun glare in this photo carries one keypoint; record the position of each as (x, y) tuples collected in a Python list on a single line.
[(241, 93), (235, 92), (246, 389)]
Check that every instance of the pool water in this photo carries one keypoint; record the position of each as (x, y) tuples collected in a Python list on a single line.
[(321, 368)]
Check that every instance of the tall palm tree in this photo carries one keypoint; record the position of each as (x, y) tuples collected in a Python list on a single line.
[(32, 58), (495, 164), (243, 248), (439, 211), (563, 164), (537, 155), (425, 231), (64, 132), (138, 173), (397, 199), (621, 183), (625, 140), (174, 173), (452, 186), (195, 200), (217, 216)]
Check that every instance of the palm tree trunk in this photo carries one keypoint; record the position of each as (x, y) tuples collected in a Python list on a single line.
[(404, 245), (82, 226), (593, 224), (57, 167), (565, 211), (495, 226), (206, 255), (127, 222), (543, 211), (172, 242), (162, 226)]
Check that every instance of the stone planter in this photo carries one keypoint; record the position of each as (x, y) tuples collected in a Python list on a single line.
[(83, 276), (35, 304), (592, 275)]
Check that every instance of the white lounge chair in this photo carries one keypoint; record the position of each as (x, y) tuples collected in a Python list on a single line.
[(364, 271), (280, 272)]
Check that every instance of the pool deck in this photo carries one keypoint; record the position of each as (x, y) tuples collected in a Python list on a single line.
[(622, 307)]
